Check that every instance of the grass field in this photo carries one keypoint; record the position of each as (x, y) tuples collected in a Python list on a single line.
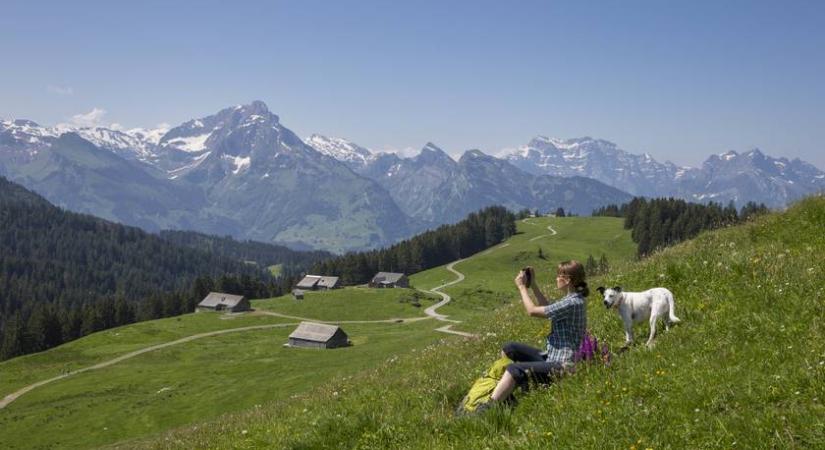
[(202, 379), (351, 304), (108, 344), (249, 371), (745, 369)]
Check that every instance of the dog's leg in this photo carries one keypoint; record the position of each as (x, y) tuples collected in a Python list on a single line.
[(628, 332), (653, 318)]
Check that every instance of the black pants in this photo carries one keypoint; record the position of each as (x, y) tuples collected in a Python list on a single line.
[(529, 364)]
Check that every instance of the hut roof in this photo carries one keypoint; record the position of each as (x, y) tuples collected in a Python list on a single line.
[(387, 277), (328, 282), (313, 281), (308, 282), (317, 332), (219, 298)]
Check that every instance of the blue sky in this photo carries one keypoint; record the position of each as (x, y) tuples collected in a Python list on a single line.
[(680, 81)]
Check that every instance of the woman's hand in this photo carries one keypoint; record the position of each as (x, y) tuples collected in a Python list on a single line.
[(520, 280)]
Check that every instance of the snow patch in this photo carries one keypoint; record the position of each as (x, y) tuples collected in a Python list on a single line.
[(238, 163), (190, 144), (195, 163)]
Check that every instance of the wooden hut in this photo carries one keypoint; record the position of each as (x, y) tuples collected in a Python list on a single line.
[(317, 282), (298, 294), (318, 335), (218, 301), (389, 280)]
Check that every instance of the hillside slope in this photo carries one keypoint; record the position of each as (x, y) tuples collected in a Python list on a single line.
[(182, 373), (745, 369)]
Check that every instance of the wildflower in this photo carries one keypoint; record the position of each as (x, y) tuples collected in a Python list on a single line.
[(244, 432)]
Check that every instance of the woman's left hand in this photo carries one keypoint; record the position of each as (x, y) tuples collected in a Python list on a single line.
[(520, 280)]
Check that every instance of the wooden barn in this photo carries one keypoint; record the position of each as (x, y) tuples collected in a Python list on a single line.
[(298, 294), (218, 301), (389, 280), (318, 335), (317, 282)]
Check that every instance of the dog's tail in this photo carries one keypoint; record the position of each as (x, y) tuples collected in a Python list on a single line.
[(672, 306)]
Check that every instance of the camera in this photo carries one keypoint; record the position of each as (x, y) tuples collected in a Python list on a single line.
[(528, 276)]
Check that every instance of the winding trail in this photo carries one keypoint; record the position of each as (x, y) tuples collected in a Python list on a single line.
[(431, 311), (15, 395), (552, 233)]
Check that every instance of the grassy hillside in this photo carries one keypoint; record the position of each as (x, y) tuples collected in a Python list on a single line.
[(745, 369), (490, 274), (201, 379)]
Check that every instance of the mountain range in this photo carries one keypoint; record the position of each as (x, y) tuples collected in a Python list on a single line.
[(240, 172), (730, 176)]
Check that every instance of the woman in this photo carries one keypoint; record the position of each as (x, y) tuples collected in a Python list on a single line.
[(569, 321)]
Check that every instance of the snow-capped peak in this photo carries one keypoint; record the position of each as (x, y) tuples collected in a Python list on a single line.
[(728, 155), (149, 135), (340, 149)]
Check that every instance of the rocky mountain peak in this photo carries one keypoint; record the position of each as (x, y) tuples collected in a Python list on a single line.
[(433, 154)]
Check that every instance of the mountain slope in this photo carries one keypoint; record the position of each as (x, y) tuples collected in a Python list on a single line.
[(260, 174), (121, 402), (65, 274), (744, 369)]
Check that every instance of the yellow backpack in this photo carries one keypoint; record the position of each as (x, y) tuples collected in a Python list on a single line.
[(483, 387)]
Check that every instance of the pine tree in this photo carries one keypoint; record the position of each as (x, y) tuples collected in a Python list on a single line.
[(14, 336)]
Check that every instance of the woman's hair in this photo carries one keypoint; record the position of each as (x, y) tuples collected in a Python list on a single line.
[(575, 271)]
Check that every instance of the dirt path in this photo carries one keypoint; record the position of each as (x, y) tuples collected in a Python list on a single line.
[(431, 311), (336, 322), (552, 233), (15, 395)]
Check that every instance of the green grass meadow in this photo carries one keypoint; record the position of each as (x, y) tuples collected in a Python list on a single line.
[(201, 379), (744, 369), (351, 303)]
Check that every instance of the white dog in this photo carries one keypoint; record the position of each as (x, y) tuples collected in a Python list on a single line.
[(638, 306)]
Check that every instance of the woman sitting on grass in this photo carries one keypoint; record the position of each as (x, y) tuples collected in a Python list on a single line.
[(569, 321)]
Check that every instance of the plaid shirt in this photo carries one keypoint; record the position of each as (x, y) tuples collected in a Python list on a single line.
[(569, 318)]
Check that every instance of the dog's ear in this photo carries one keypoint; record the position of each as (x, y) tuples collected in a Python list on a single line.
[(600, 289), (617, 288)]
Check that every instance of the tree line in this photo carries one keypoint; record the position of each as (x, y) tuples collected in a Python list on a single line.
[(480, 230), (661, 222), (292, 262)]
